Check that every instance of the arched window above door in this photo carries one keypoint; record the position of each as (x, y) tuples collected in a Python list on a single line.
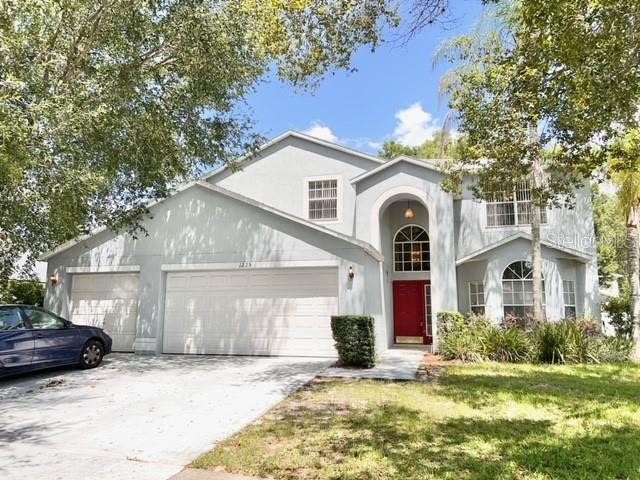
[(411, 250)]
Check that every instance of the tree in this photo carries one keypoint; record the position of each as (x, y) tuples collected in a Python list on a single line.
[(572, 52), (440, 147), (107, 104), (28, 292), (498, 107), (581, 49), (625, 167), (610, 233)]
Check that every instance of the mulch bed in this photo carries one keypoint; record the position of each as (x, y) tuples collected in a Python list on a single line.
[(432, 366)]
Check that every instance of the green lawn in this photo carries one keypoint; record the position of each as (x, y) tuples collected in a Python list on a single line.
[(487, 421)]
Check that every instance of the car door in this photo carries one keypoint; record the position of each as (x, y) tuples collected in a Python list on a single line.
[(16, 341), (56, 342)]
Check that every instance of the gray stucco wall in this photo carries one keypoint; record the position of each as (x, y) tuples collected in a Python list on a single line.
[(281, 180), (199, 226), (490, 266), (570, 228), (402, 182)]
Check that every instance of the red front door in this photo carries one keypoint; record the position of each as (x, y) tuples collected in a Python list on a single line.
[(409, 311)]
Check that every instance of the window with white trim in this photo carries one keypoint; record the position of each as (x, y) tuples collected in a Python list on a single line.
[(517, 289), (476, 297), (512, 207), (569, 297), (323, 199), (411, 250)]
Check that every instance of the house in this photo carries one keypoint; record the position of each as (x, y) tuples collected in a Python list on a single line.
[(255, 261)]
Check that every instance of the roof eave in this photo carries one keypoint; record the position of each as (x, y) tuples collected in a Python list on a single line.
[(302, 136), (580, 256), (368, 248)]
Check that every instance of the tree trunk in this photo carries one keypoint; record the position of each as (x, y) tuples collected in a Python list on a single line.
[(633, 264), (536, 260), (536, 220)]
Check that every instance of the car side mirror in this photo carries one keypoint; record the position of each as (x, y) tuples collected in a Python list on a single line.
[(68, 324)]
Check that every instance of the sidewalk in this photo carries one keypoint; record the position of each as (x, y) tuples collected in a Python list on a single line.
[(197, 474), (394, 364)]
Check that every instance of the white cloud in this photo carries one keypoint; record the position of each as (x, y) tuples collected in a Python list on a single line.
[(375, 145), (321, 131), (415, 126)]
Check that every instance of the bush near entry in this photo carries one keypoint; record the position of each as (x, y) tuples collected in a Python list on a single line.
[(476, 338), (355, 340)]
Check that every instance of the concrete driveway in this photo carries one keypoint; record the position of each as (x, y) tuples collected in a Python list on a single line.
[(136, 417)]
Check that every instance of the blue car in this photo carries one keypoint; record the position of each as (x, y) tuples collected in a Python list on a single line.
[(32, 338)]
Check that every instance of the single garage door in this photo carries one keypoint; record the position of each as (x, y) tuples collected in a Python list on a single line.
[(108, 301), (282, 311)]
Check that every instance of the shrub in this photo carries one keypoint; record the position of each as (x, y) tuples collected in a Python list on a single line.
[(478, 323), (614, 349), (507, 345), (476, 338), (461, 345), (462, 336), (449, 322), (551, 340), (26, 292), (619, 310), (355, 340), (567, 341)]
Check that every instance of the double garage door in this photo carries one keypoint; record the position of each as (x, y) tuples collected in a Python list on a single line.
[(253, 312)]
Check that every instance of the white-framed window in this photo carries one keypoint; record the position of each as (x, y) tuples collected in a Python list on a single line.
[(569, 297), (476, 297), (322, 199), (411, 250), (517, 289), (507, 208), (427, 300)]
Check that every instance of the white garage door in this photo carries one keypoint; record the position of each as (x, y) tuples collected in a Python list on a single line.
[(282, 311), (108, 301)]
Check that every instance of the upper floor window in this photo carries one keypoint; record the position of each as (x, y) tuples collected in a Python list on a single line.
[(411, 250), (512, 207), (323, 199), (517, 289)]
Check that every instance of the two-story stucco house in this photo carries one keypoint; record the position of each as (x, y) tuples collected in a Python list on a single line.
[(255, 261)]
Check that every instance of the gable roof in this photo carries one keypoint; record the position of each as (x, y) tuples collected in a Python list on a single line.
[(368, 248), (426, 163), (300, 136), (580, 256)]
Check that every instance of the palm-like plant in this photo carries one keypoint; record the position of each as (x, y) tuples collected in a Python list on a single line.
[(625, 174)]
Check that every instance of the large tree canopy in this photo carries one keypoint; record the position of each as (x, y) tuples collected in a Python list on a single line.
[(584, 55), (105, 104)]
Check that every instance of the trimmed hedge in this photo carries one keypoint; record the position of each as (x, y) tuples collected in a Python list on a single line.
[(355, 340)]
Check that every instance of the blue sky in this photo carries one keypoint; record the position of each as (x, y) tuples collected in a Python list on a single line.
[(393, 95)]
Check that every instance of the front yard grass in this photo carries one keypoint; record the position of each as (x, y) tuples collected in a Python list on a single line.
[(482, 421)]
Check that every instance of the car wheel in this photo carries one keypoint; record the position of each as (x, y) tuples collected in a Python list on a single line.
[(91, 354)]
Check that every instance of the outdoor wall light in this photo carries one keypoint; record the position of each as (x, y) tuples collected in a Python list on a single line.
[(408, 213), (351, 272), (53, 280)]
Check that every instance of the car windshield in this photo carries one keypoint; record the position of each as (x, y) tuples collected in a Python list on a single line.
[(10, 319)]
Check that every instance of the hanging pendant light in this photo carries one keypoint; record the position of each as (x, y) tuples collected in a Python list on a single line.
[(408, 213)]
